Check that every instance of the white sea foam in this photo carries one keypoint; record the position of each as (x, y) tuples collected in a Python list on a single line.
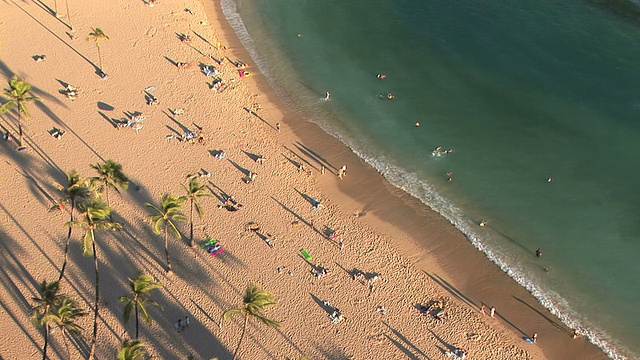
[(429, 195)]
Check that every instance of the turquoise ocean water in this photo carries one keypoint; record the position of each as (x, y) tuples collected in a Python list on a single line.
[(522, 91)]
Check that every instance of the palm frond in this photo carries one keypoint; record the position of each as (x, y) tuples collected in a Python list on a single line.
[(267, 321), (231, 313), (131, 350), (7, 106), (87, 243), (174, 230)]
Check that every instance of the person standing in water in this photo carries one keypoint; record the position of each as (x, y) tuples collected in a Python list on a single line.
[(327, 96), (539, 253)]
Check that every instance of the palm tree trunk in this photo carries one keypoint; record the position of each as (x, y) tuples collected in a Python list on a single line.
[(244, 330), (46, 341), (95, 311), (20, 125), (166, 248), (64, 262), (66, 245), (99, 57), (106, 187), (136, 321), (69, 14), (191, 243), (73, 206)]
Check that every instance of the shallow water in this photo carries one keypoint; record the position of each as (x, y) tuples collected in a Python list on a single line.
[(523, 92)]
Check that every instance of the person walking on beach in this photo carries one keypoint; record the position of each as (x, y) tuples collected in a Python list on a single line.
[(492, 312), (342, 171), (278, 127), (534, 337)]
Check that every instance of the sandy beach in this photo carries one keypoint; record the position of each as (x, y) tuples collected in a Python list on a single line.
[(409, 256)]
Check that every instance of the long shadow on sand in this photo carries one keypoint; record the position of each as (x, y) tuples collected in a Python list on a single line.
[(403, 348), (314, 156), (451, 289), (554, 323), (300, 218), (96, 68)]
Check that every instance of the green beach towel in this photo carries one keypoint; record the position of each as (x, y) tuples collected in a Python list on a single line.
[(206, 243), (305, 254)]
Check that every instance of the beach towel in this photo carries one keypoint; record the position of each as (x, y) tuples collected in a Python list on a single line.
[(210, 241), (306, 255)]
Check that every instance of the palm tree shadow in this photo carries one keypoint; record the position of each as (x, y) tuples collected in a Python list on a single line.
[(45, 109)]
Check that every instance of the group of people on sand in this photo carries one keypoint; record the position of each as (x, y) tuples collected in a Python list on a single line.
[(182, 324)]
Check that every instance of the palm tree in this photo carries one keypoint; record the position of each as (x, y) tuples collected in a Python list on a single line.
[(254, 302), (94, 218), (194, 191), (75, 192), (48, 297), (68, 14), (131, 350), (17, 92), (96, 35), (168, 213), (139, 298), (110, 175), (64, 316)]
